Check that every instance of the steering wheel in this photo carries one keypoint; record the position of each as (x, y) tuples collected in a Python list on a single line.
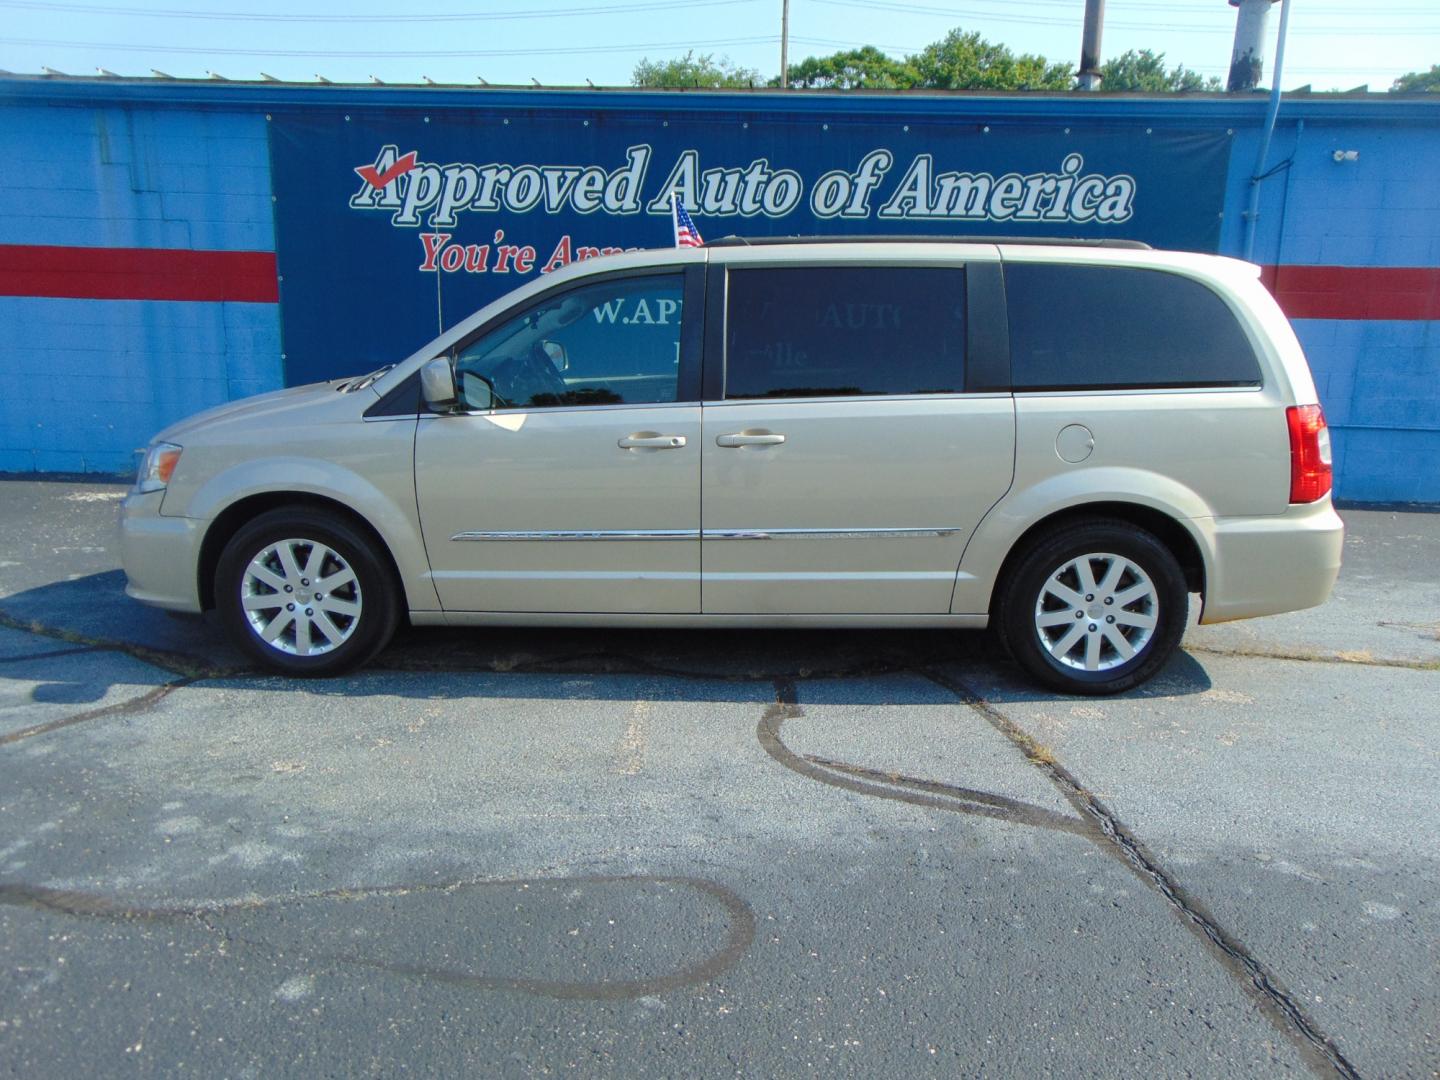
[(523, 379), (539, 370)]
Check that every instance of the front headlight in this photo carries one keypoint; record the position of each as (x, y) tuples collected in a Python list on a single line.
[(157, 468)]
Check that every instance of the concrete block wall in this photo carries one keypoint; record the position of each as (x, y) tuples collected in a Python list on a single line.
[(118, 168), (1380, 385), (1378, 379), (85, 381)]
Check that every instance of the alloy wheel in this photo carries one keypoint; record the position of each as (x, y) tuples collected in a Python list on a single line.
[(1096, 612), (301, 597)]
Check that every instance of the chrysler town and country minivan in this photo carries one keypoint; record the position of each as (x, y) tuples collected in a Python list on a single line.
[(1061, 440)]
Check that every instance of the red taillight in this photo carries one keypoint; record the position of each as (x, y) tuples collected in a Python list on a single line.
[(1309, 453)]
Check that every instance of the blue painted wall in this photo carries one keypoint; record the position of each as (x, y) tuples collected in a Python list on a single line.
[(139, 164), (1379, 381), (83, 383)]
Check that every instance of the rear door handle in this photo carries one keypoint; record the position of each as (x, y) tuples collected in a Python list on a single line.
[(746, 439), (642, 440)]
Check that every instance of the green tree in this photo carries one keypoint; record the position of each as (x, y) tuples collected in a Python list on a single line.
[(1144, 70), (854, 69), (961, 61), (1418, 80), (692, 70)]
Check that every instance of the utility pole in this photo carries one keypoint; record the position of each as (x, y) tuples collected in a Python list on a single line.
[(1090, 45), (1247, 58), (784, 44)]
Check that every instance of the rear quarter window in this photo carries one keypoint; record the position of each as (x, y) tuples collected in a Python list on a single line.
[(1104, 327)]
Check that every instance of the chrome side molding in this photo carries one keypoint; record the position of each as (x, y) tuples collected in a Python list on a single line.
[(824, 534), (708, 534), (584, 534)]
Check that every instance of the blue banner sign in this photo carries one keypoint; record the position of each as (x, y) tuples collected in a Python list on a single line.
[(395, 224)]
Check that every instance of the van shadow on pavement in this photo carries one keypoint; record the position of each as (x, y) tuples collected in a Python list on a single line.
[(93, 612)]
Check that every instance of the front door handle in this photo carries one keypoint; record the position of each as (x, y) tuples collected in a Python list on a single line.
[(747, 439), (646, 441)]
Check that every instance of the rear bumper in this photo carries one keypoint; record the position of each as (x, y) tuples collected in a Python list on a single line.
[(159, 554), (1266, 565)]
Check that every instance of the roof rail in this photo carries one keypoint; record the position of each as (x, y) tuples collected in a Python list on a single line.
[(1062, 241)]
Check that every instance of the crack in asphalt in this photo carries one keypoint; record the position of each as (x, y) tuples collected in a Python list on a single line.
[(1306, 657), (189, 669), (177, 663), (129, 707), (739, 936), (48, 655), (1097, 821), (1318, 1049), (611, 662), (897, 786)]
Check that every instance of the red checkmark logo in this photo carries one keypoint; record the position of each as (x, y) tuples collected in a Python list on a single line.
[(378, 180)]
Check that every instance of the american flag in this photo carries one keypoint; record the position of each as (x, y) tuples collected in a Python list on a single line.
[(686, 235)]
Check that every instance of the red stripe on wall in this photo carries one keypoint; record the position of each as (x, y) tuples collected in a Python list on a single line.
[(1304, 292), (95, 273), (1356, 292)]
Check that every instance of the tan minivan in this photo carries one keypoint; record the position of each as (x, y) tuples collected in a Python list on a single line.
[(1060, 439)]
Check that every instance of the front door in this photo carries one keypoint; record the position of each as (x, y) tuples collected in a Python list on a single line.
[(571, 480), (846, 464)]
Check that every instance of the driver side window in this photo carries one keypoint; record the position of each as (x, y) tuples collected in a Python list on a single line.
[(616, 342)]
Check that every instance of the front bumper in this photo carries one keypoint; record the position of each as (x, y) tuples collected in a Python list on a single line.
[(160, 554), (1266, 565)]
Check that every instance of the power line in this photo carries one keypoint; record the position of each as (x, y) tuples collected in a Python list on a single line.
[(1223, 28), (904, 6), (1180, 6), (1070, 6), (315, 17), (835, 43), (343, 54)]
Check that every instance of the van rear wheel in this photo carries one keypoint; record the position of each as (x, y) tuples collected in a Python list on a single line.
[(1096, 608), (303, 592)]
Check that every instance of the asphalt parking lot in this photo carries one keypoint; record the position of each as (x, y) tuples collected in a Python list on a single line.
[(696, 854)]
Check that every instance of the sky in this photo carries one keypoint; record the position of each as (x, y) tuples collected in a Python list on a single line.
[(1333, 44)]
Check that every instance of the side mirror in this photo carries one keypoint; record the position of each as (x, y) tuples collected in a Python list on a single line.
[(557, 354), (437, 385)]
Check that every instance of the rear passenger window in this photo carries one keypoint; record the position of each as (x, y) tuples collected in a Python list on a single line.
[(1102, 327), (837, 331)]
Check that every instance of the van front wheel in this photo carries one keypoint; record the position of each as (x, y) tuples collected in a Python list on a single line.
[(1096, 608), (304, 592)]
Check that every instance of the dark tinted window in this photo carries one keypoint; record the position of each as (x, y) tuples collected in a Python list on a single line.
[(1078, 327), (828, 331)]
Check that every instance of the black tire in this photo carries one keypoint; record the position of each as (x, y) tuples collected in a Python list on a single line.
[(1028, 596), (373, 594)]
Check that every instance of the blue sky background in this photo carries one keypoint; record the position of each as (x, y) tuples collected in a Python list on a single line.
[(1334, 44)]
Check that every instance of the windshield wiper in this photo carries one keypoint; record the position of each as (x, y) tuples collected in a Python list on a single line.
[(360, 382)]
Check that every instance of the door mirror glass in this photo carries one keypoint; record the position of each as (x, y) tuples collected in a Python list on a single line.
[(437, 385)]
